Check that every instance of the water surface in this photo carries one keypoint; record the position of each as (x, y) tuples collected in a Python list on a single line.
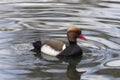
[(25, 21)]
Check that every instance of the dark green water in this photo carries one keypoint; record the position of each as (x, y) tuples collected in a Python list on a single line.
[(24, 21)]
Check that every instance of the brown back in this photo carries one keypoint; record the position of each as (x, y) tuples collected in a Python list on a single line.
[(56, 44)]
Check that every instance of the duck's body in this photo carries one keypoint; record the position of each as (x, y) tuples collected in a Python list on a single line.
[(55, 47)]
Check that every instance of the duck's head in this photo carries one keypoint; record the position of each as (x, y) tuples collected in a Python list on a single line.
[(73, 33)]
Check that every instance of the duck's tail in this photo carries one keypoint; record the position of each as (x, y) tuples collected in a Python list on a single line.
[(37, 45)]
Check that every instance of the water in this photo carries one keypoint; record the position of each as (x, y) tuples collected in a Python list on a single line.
[(24, 21)]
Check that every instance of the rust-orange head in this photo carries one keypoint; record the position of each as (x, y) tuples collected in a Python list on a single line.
[(73, 33)]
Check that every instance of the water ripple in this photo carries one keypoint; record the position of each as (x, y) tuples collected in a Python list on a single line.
[(107, 43)]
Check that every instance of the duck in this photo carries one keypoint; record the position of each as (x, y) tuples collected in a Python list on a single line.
[(58, 48)]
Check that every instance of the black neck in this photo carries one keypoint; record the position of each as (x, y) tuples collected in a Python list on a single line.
[(71, 42)]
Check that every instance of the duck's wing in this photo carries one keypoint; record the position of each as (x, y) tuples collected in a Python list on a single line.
[(58, 45)]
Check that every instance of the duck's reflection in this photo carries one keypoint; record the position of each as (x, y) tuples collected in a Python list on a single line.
[(72, 73)]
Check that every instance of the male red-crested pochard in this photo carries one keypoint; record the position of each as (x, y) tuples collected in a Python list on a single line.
[(57, 48)]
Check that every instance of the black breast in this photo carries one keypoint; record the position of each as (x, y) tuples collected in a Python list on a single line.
[(71, 50)]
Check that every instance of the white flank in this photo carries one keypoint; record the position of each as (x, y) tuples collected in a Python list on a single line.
[(49, 51), (64, 46)]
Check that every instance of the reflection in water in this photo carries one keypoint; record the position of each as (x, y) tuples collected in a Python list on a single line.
[(72, 73), (109, 72), (113, 63)]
